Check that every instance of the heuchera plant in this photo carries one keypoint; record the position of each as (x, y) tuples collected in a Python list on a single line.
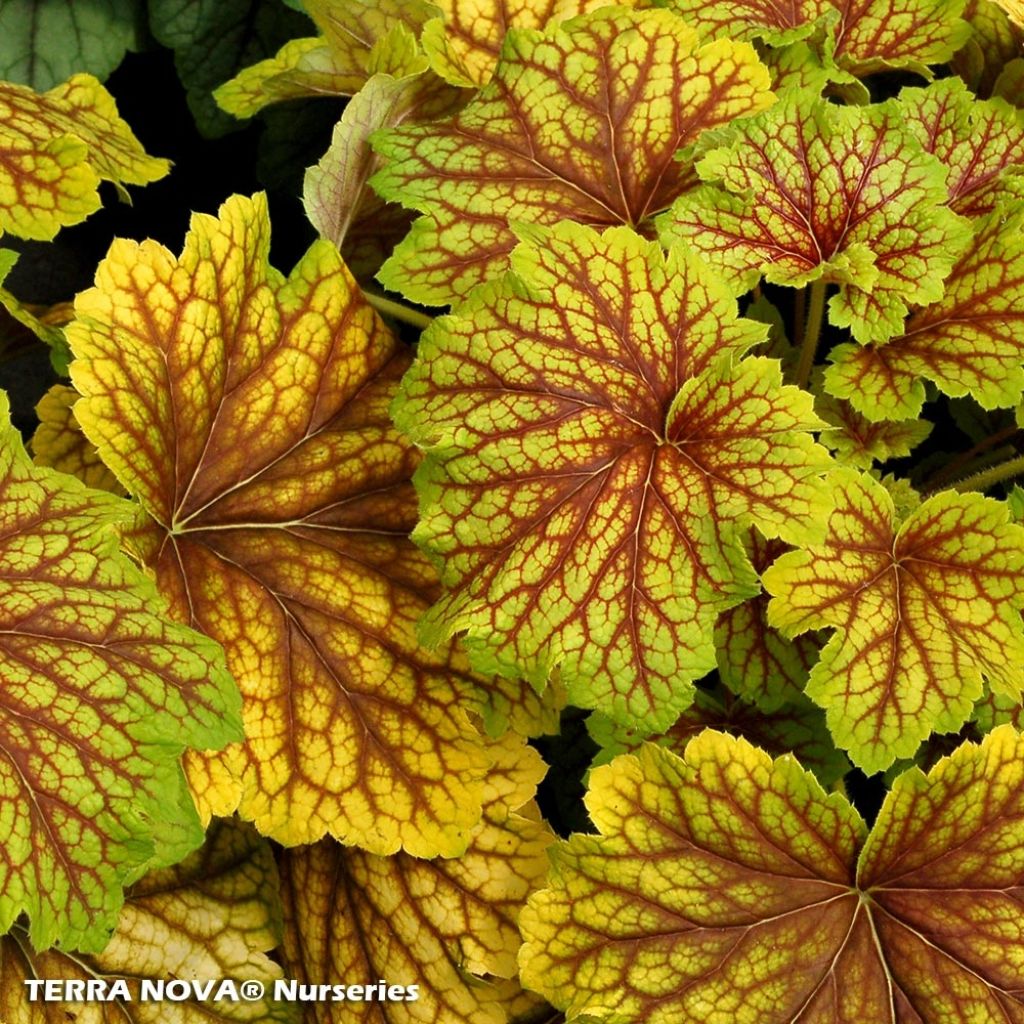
[(651, 399)]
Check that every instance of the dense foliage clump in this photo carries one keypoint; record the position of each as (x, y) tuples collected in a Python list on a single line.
[(645, 416)]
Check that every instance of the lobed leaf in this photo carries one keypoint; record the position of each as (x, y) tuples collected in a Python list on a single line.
[(248, 414), (923, 609), (447, 926), (864, 37), (859, 441), (464, 44), (56, 147), (728, 888), (809, 191), (969, 342), (101, 695), (357, 39), (596, 445), (60, 444), (536, 148), (980, 142), (214, 916)]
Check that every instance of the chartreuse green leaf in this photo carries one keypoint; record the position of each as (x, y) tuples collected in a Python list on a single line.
[(755, 661), (536, 146), (796, 728), (727, 888), (445, 926), (863, 36), (41, 44), (809, 191), (980, 142), (215, 916), (357, 39), (247, 412), (970, 342), (464, 43), (994, 42), (923, 611), (56, 147), (100, 697), (596, 446), (859, 441)]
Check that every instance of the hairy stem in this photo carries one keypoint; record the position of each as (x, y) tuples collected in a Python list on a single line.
[(957, 465), (811, 333), (993, 475), (388, 307)]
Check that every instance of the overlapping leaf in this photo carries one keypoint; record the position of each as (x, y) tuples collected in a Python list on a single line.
[(970, 342), (1010, 83), (981, 143), (248, 414), (923, 609), (100, 696), (213, 917), (859, 441), (59, 442), (594, 447), (810, 191), (464, 43), (539, 145), (797, 728), (56, 147), (727, 887), (336, 194), (754, 660), (445, 926), (357, 39), (214, 39), (994, 41), (862, 36)]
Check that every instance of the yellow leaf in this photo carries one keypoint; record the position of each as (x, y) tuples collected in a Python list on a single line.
[(212, 917), (56, 147), (446, 926), (59, 442), (248, 414)]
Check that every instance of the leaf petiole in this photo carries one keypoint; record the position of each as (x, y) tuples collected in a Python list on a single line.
[(811, 332), (987, 478), (398, 310), (938, 479)]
